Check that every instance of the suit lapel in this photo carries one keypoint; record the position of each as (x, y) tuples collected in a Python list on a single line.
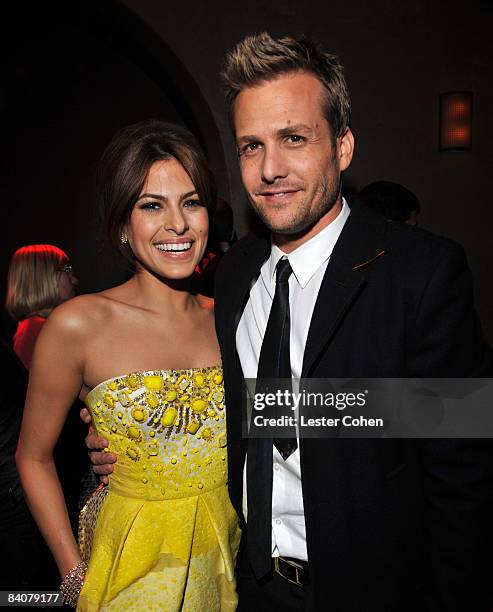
[(359, 245)]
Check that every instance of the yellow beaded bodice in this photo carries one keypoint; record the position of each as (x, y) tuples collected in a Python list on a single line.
[(168, 429)]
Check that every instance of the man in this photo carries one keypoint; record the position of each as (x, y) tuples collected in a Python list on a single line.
[(392, 200), (339, 524)]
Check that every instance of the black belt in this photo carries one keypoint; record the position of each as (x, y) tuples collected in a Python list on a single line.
[(293, 570)]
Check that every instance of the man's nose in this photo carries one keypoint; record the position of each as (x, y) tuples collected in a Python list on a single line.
[(274, 165)]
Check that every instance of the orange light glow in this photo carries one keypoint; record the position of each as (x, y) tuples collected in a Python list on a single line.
[(455, 121)]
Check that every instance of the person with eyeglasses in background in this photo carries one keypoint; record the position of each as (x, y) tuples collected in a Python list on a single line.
[(40, 278)]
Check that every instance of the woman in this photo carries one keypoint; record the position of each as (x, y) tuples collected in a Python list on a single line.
[(40, 278), (145, 359)]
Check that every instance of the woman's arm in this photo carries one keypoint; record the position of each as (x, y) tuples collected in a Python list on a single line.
[(55, 381)]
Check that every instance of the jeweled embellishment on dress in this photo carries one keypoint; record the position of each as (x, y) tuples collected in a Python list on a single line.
[(153, 383), (169, 417), (152, 416), (199, 405), (133, 453)]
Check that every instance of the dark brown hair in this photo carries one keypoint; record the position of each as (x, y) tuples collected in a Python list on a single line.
[(262, 58), (125, 165)]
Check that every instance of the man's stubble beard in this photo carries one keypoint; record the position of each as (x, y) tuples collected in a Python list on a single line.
[(305, 216)]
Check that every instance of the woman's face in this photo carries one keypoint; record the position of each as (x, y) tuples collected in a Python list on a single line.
[(67, 282), (168, 226)]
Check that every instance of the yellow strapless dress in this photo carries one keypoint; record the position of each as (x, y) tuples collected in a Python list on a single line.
[(167, 535)]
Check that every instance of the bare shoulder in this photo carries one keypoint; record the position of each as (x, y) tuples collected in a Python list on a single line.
[(80, 314)]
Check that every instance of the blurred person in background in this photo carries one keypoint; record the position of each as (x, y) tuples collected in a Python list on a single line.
[(222, 236), (393, 201), (40, 278)]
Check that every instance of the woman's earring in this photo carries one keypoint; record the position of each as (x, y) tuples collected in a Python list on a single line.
[(124, 239)]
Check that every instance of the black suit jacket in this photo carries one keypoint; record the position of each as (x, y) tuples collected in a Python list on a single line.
[(391, 524)]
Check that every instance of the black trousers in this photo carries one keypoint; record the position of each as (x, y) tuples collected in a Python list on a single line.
[(272, 593)]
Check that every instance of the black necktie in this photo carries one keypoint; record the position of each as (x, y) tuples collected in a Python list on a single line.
[(274, 363), (274, 360)]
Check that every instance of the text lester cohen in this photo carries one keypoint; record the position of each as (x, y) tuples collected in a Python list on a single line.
[(291, 421)]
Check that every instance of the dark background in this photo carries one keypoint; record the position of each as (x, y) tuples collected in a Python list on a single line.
[(73, 73)]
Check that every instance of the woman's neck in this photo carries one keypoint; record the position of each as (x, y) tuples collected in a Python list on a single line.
[(159, 295)]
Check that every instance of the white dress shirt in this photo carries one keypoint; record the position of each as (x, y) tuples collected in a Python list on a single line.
[(308, 262)]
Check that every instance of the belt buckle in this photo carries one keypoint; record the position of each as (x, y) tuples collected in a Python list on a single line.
[(297, 567)]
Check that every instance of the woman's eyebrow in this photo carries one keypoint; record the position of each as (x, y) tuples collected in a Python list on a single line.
[(156, 196), (163, 198)]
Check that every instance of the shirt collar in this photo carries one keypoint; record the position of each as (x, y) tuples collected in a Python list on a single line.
[(307, 258)]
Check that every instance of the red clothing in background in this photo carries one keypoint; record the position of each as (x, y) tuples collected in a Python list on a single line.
[(25, 338)]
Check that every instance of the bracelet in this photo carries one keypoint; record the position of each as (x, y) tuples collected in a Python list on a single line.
[(72, 584)]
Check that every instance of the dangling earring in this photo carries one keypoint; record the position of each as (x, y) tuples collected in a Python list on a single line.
[(124, 239)]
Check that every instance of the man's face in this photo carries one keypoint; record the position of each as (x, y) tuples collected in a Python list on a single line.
[(290, 164)]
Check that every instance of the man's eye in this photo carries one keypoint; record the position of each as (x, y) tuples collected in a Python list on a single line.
[(295, 138), (249, 148)]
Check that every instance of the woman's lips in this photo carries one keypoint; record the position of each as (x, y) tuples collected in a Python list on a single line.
[(177, 255)]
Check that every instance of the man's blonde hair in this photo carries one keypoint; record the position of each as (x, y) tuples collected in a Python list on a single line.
[(32, 286), (261, 58)]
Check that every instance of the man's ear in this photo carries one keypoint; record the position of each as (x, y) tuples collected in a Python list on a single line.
[(345, 149)]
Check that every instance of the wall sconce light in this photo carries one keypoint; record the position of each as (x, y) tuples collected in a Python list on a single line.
[(455, 121)]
